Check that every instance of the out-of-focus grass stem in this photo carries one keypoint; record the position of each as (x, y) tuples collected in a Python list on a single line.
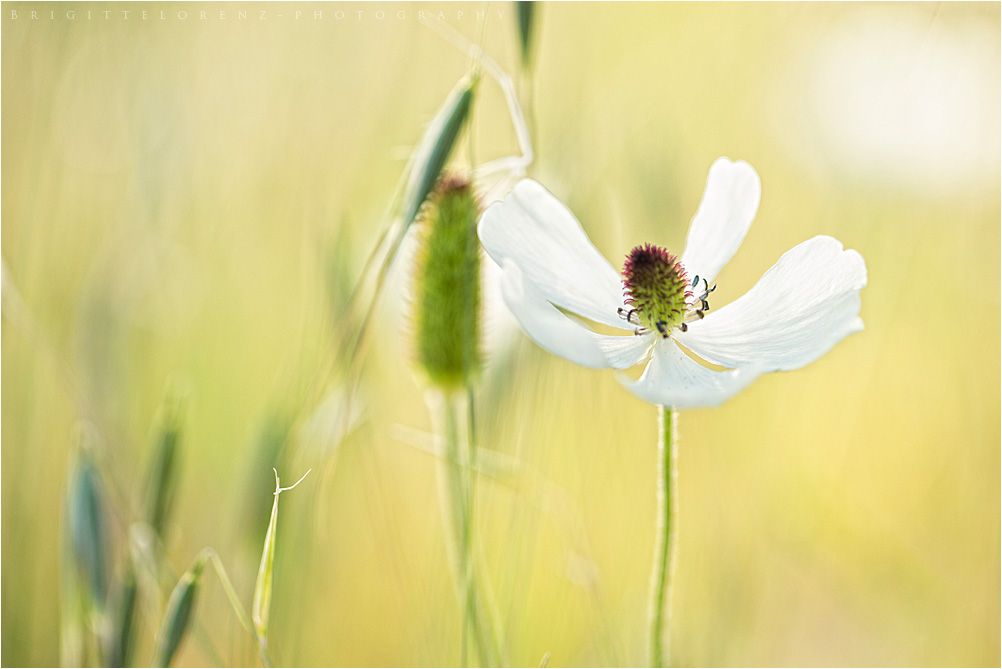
[(457, 490), (231, 594)]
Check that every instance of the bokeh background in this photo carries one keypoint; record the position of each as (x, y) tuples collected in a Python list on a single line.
[(187, 203)]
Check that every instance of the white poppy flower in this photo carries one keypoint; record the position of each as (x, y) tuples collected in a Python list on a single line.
[(805, 304)]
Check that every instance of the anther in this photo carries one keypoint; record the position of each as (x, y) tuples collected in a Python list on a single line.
[(695, 280), (706, 305), (685, 328), (627, 316)]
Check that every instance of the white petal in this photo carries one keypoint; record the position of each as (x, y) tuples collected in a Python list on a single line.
[(805, 304), (535, 230), (560, 335), (626, 351), (725, 213), (674, 379)]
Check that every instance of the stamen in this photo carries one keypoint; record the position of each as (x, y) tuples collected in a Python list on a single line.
[(628, 316)]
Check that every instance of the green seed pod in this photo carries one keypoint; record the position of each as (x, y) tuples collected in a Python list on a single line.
[(85, 514), (447, 280), (177, 615)]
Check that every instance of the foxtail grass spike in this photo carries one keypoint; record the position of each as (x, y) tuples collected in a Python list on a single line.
[(425, 166), (177, 615), (262, 589), (447, 286)]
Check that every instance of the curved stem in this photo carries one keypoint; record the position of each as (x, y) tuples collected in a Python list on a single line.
[(665, 543)]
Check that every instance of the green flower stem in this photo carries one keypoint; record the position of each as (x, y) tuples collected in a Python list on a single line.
[(456, 481), (666, 541)]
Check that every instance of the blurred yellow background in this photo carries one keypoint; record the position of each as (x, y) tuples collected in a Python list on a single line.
[(189, 201)]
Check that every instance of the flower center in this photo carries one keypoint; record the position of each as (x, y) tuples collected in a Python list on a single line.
[(659, 292)]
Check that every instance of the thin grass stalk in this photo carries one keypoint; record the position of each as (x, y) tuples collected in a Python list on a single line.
[(666, 539), (456, 485), (238, 609)]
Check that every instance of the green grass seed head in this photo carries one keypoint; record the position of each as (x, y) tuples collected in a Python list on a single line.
[(162, 476), (447, 280), (525, 11), (88, 532), (436, 146), (177, 615)]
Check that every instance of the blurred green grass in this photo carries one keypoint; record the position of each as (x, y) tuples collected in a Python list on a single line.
[(195, 198)]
